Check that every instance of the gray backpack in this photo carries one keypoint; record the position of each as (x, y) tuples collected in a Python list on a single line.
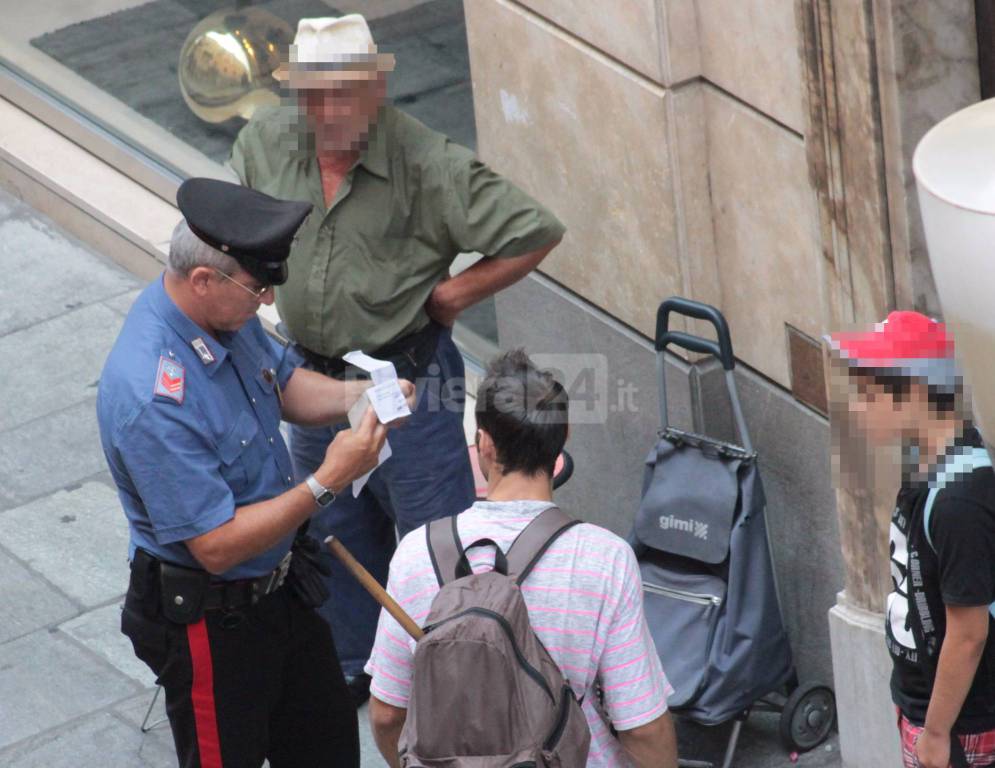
[(485, 692)]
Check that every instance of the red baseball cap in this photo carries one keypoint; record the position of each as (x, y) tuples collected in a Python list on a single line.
[(905, 344)]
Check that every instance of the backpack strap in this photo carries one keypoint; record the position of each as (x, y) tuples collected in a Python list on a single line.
[(961, 465), (533, 542), (444, 548), (463, 567)]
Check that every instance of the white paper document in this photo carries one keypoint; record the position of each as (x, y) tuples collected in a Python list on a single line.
[(380, 370), (386, 398), (388, 401)]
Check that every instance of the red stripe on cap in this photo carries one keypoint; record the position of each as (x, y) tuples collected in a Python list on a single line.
[(202, 696)]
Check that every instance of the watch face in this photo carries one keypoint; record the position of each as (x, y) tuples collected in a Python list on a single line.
[(326, 498)]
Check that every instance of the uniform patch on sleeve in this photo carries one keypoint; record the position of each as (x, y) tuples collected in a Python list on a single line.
[(170, 379)]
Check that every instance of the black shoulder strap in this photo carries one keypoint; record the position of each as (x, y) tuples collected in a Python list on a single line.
[(533, 542), (444, 548)]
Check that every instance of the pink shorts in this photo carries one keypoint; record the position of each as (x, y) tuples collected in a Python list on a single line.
[(979, 747)]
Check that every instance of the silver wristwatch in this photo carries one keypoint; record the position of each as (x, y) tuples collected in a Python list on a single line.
[(322, 496)]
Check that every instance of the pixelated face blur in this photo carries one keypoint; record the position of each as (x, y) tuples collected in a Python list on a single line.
[(341, 116), (881, 413)]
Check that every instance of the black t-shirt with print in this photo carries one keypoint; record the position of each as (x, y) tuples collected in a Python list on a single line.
[(961, 571)]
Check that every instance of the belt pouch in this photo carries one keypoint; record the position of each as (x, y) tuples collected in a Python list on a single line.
[(143, 585), (306, 572), (183, 592)]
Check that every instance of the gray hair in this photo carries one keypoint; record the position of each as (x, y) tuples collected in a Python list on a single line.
[(187, 251)]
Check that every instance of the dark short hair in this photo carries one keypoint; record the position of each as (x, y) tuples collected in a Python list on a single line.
[(899, 387), (524, 410)]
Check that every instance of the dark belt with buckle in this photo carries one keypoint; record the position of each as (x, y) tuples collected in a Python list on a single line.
[(182, 594), (410, 355), (222, 595)]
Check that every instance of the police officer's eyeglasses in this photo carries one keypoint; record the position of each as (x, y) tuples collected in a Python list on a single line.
[(257, 293)]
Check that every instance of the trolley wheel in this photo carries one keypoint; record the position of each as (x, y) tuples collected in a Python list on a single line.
[(807, 717)]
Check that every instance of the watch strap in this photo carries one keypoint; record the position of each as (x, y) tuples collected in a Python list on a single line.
[(323, 496)]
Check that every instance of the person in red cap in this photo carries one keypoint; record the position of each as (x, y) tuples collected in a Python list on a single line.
[(906, 388)]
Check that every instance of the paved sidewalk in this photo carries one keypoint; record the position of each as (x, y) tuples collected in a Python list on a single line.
[(72, 694)]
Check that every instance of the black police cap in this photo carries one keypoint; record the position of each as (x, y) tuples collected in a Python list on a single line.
[(253, 228)]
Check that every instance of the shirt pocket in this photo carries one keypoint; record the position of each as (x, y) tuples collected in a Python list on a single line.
[(270, 407), (242, 453)]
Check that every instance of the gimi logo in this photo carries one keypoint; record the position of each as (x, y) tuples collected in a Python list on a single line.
[(696, 527)]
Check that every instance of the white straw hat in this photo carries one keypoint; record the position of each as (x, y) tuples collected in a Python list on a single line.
[(328, 50)]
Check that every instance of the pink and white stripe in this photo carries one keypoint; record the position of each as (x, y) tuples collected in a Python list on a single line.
[(585, 600)]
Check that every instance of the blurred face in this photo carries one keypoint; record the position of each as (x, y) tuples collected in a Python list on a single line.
[(341, 116), (888, 417), (879, 413), (232, 300)]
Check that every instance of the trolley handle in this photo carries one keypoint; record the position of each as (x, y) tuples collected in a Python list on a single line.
[(722, 349)]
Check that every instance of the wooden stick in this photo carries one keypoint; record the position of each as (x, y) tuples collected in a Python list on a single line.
[(373, 587)]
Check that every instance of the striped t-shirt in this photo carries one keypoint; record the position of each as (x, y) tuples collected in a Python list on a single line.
[(585, 603)]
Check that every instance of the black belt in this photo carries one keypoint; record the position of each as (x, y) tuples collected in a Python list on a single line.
[(410, 355), (182, 594), (236, 594)]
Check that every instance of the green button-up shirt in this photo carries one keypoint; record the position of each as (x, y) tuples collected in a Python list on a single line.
[(362, 269)]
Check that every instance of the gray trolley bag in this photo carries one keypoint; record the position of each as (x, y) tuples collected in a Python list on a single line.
[(710, 591)]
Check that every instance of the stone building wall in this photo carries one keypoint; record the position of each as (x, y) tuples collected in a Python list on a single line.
[(670, 137), (755, 155)]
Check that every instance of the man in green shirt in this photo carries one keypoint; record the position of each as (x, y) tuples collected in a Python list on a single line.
[(394, 204)]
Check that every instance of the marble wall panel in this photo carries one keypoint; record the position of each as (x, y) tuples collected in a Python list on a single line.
[(682, 49), (751, 48), (694, 197), (845, 160), (657, 38), (593, 141), (927, 56), (626, 30), (766, 233)]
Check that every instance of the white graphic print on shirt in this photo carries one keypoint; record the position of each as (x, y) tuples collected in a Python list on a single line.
[(900, 635)]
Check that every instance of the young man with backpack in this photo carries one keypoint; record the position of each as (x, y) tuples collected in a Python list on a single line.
[(906, 388), (536, 650)]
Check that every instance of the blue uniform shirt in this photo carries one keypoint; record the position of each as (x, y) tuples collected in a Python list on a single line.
[(190, 427)]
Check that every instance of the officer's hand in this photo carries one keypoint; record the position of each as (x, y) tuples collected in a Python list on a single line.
[(410, 397), (353, 453), (408, 390)]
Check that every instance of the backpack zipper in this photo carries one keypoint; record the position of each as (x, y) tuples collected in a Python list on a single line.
[(561, 719), (506, 626), (690, 597)]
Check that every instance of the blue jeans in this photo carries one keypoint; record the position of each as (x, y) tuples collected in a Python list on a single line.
[(427, 477)]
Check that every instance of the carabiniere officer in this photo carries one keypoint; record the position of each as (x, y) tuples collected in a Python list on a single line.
[(221, 599)]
